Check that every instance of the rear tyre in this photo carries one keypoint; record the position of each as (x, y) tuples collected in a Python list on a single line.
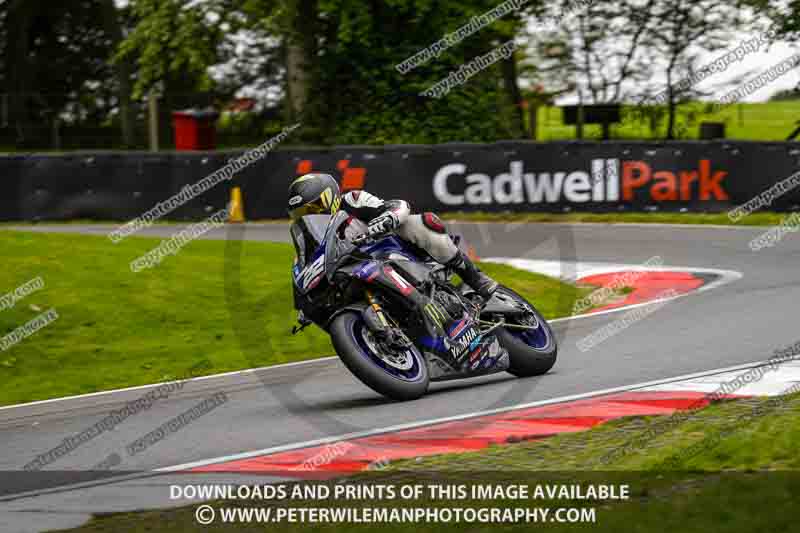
[(400, 377), (530, 352)]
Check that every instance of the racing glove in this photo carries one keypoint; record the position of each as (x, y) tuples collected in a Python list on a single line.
[(383, 223)]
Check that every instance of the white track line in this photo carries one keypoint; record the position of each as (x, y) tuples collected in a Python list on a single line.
[(773, 382), (555, 269), (413, 425), (151, 385), (581, 269), (537, 266), (649, 385)]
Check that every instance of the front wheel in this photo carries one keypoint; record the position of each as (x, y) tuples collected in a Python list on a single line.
[(399, 375), (533, 351)]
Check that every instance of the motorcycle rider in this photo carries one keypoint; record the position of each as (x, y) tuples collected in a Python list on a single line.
[(318, 193)]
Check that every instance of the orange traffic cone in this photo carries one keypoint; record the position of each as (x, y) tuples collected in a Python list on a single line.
[(236, 212)]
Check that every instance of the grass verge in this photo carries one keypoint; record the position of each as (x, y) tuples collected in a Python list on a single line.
[(752, 434), (763, 121), (721, 477), (763, 218), (719, 219), (226, 303)]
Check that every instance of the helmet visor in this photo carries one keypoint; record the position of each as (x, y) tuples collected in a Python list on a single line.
[(315, 207)]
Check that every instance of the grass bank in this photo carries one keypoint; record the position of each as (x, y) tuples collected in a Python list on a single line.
[(764, 218), (719, 219), (227, 303), (758, 121), (729, 468)]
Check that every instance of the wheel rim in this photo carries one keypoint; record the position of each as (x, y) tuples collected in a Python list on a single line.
[(406, 366), (539, 337)]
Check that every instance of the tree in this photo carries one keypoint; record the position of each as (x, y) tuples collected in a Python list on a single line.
[(172, 45), (57, 67), (786, 95), (18, 70), (598, 47), (4, 49), (687, 27), (372, 101), (337, 69), (294, 26), (123, 71), (785, 16), (301, 54)]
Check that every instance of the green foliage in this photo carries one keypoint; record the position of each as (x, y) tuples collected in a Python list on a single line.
[(357, 95), (52, 64), (170, 42), (785, 95), (785, 16), (367, 100)]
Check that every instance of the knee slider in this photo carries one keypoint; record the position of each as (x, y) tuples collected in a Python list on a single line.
[(434, 223)]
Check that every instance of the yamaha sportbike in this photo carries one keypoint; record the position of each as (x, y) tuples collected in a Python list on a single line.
[(398, 321)]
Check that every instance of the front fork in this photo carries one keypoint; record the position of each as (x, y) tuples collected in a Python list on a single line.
[(374, 315), (378, 323), (389, 278)]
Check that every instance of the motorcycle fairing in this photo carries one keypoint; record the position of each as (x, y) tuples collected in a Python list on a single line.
[(306, 279), (456, 352), (464, 352), (489, 357)]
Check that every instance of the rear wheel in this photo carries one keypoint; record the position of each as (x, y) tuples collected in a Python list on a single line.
[(531, 351), (397, 374)]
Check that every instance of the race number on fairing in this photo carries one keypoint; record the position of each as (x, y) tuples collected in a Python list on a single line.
[(310, 276)]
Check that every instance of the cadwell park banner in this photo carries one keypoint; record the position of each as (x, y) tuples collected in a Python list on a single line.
[(506, 176)]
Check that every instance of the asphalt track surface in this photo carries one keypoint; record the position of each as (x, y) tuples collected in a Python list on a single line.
[(742, 322)]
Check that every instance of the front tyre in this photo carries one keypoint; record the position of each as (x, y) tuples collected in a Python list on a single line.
[(531, 352), (399, 376)]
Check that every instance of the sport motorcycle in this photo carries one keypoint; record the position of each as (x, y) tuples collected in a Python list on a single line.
[(396, 318)]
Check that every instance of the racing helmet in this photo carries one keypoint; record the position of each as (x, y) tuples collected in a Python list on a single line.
[(313, 194)]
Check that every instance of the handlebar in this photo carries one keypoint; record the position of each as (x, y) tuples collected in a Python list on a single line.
[(367, 237), (361, 239)]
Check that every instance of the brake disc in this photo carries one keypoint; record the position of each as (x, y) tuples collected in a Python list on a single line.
[(402, 361)]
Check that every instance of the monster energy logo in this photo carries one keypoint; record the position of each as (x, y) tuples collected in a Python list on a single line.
[(436, 314)]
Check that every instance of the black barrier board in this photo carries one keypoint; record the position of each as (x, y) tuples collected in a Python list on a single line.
[(504, 176)]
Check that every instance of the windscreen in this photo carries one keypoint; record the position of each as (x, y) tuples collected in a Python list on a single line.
[(336, 246), (307, 234)]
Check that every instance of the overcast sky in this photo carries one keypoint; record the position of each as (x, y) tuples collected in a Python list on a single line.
[(759, 61), (755, 63)]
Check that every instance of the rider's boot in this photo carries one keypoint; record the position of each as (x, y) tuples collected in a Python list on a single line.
[(472, 276)]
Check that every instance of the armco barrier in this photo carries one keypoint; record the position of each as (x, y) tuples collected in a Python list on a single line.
[(504, 176)]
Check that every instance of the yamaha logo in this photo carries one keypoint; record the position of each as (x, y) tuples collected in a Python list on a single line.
[(463, 341)]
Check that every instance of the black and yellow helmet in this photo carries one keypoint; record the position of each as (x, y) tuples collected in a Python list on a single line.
[(313, 194)]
